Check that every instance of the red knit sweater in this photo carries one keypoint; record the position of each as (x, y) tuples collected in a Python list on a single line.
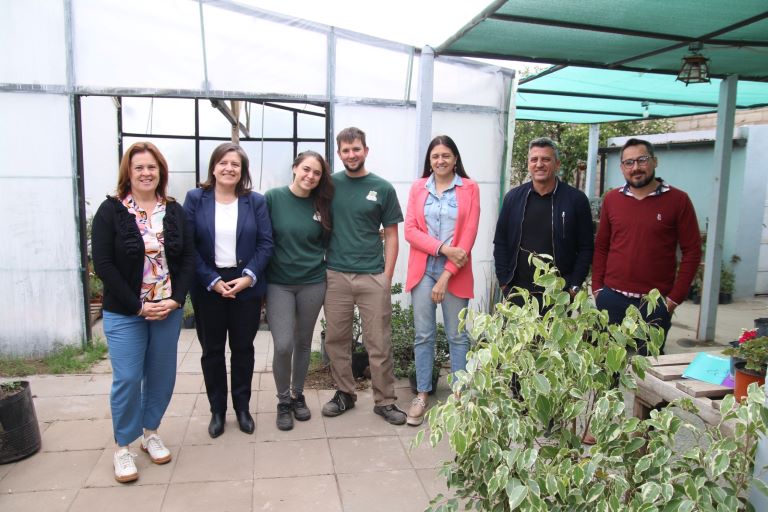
[(636, 244)]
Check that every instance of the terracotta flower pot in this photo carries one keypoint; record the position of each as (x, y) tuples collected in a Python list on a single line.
[(743, 379)]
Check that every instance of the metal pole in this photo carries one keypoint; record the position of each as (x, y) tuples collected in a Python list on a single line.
[(594, 142), (716, 230), (424, 105)]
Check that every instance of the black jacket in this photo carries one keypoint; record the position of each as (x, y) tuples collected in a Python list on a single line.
[(572, 233), (118, 254)]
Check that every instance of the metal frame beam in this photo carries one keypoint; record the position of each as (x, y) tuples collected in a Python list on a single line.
[(716, 229)]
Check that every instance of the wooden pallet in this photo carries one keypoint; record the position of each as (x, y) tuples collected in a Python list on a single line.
[(664, 383)]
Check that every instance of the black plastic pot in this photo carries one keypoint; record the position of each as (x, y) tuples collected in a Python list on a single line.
[(359, 364), (725, 298), (735, 360), (19, 431), (761, 324), (188, 322)]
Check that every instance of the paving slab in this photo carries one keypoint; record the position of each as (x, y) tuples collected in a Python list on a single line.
[(129, 498), (49, 501), (317, 493), (234, 495)]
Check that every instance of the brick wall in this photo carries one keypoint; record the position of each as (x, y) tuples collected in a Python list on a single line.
[(709, 121)]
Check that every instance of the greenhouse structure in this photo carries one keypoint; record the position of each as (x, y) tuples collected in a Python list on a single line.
[(81, 79)]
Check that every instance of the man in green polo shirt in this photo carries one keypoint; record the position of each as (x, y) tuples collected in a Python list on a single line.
[(360, 272)]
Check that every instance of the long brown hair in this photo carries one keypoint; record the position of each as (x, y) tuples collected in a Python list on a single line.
[(322, 194), (244, 185), (446, 141), (124, 176)]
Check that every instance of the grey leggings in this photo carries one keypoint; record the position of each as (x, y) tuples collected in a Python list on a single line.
[(292, 313)]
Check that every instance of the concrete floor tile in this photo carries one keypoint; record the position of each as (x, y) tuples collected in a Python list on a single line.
[(197, 433), (49, 501), (188, 363), (189, 383), (103, 473), (434, 483), (382, 491), (181, 405), (266, 382), (128, 498), (292, 458), (203, 407), (211, 463), (77, 435), (173, 429), (424, 455), (94, 407), (70, 385), (266, 429), (47, 471), (315, 493), (231, 496), (360, 454), (358, 422), (4, 470)]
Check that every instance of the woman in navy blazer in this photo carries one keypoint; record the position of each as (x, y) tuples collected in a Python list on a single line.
[(233, 242)]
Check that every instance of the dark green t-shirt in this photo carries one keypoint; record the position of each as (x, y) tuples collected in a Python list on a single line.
[(299, 256), (361, 206)]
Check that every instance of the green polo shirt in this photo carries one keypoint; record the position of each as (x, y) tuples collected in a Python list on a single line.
[(299, 255), (361, 206)]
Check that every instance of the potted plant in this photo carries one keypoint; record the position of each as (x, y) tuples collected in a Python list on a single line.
[(526, 453), (727, 280), (753, 350), (19, 430), (188, 314), (95, 294)]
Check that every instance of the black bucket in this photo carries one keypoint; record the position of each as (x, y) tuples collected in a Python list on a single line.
[(19, 431), (761, 324)]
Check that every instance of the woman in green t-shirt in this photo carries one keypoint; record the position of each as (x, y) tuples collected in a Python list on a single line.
[(301, 227)]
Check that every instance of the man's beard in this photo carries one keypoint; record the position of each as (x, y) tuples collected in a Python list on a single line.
[(360, 167), (643, 183)]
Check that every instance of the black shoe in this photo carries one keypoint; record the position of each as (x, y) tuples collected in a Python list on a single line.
[(216, 426), (300, 410), (245, 421), (392, 413), (284, 418), (340, 402)]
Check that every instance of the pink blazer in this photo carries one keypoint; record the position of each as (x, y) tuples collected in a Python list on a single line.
[(422, 244)]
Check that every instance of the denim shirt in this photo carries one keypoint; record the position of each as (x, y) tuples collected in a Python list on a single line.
[(440, 215)]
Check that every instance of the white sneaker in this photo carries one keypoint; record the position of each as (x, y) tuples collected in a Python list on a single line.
[(157, 451), (125, 468)]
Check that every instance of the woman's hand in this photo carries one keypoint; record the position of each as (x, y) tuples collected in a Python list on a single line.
[(438, 291), (235, 286), (457, 255), (159, 310), (221, 287)]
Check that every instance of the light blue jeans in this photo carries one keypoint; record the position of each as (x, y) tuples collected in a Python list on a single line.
[(143, 356), (425, 326)]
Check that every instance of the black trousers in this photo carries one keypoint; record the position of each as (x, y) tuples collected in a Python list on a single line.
[(616, 304), (217, 318)]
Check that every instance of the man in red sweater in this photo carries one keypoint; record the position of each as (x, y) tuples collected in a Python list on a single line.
[(641, 225)]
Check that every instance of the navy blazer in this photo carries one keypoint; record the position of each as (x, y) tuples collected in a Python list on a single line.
[(254, 237)]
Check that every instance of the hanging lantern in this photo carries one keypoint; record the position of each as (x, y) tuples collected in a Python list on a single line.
[(695, 69)]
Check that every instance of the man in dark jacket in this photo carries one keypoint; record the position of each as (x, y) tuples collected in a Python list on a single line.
[(543, 216)]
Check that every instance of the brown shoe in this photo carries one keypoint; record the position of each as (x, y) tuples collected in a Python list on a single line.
[(416, 412)]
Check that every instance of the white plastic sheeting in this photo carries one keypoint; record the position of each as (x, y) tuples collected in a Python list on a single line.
[(156, 50), (41, 295)]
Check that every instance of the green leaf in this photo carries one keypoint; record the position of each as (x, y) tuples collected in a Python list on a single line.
[(760, 486), (721, 463), (686, 506), (516, 495), (615, 357), (541, 383), (459, 441), (594, 492), (635, 444), (690, 488), (650, 492)]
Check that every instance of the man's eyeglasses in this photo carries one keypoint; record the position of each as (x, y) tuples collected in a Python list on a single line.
[(641, 161)]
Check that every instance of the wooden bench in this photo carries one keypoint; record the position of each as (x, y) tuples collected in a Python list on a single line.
[(664, 383)]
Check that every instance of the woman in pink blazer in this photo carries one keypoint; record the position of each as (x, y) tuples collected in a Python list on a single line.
[(441, 226)]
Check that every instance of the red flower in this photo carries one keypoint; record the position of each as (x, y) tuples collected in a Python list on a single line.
[(747, 334)]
